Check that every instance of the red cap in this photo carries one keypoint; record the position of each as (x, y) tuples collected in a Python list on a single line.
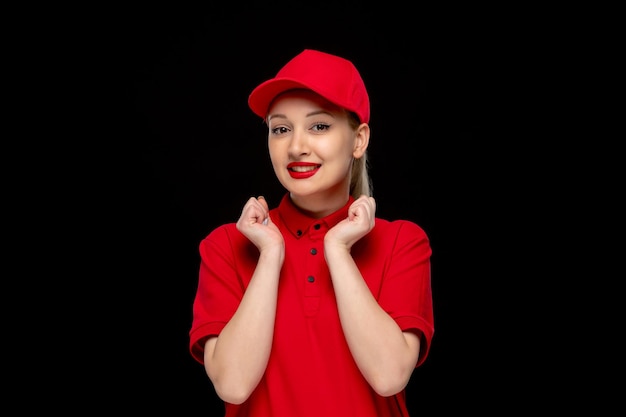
[(334, 78)]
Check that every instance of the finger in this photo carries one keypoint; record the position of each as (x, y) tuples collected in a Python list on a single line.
[(266, 209), (363, 209), (255, 210), (263, 202)]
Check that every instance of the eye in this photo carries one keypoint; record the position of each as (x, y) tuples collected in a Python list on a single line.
[(279, 130), (320, 127)]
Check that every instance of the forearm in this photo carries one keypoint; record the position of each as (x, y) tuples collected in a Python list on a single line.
[(383, 353), (236, 360)]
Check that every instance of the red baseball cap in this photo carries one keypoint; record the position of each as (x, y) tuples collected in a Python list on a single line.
[(334, 78)]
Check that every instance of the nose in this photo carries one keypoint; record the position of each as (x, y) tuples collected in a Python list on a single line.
[(299, 144)]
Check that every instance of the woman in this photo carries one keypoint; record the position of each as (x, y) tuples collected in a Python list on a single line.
[(316, 307)]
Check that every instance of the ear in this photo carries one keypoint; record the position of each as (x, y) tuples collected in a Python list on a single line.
[(362, 140)]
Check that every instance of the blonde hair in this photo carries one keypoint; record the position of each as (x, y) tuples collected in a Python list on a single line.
[(360, 183)]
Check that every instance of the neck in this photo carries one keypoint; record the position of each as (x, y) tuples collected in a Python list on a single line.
[(318, 206)]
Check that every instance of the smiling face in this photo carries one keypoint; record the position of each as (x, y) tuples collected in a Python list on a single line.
[(312, 145)]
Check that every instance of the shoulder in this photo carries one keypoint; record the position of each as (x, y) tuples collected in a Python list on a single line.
[(225, 235), (405, 228), (398, 236)]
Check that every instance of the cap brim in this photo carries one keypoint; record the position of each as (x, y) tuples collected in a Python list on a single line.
[(261, 97)]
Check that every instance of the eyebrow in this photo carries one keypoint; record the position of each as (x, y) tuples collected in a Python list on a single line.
[(313, 113)]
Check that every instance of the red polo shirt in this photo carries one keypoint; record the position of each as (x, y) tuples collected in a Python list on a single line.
[(311, 372)]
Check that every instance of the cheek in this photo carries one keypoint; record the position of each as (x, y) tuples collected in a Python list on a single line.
[(275, 156), (339, 150), (332, 148), (272, 149)]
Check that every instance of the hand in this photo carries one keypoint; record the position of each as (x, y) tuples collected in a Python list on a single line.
[(256, 224), (361, 219)]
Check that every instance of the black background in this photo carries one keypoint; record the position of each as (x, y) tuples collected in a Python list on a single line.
[(162, 148)]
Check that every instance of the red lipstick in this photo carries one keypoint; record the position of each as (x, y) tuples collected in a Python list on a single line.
[(302, 170)]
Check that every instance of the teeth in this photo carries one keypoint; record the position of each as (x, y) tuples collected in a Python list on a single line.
[(303, 169)]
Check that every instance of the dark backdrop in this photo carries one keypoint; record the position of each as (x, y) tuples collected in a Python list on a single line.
[(168, 150)]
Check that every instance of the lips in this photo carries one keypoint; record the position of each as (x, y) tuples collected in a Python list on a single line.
[(302, 170)]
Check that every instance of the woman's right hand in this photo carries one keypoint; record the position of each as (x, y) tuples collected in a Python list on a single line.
[(255, 223)]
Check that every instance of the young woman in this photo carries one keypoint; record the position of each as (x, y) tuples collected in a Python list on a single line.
[(315, 307)]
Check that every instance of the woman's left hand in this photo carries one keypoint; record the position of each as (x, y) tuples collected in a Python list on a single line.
[(361, 219)]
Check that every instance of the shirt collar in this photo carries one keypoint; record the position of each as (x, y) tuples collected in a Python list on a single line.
[(299, 223)]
